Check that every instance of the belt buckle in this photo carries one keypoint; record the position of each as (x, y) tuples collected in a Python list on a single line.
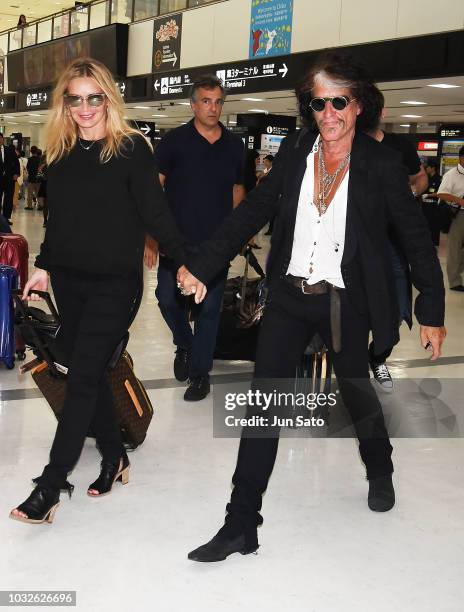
[(302, 286)]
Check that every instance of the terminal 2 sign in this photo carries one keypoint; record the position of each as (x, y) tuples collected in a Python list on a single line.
[(240, 77)]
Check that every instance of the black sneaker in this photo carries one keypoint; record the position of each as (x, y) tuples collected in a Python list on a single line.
[(197, 390), (382, 377), (181, 364)]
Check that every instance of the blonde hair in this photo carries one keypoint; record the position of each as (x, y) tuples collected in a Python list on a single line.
[(62, 130)]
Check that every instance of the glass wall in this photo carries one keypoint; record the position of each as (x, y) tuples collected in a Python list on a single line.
[(3, 44), (16, 37), (61, 25), (79, 21), (121, 11), (145, 8), (44, 30), (169, 6), (99, 14), (95, 14), (29, 35)]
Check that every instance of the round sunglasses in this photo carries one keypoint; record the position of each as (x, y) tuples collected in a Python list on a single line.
[(94, 100), (339, 103)]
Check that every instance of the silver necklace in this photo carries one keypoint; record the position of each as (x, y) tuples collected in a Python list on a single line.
[(327, 181), (84, 147)]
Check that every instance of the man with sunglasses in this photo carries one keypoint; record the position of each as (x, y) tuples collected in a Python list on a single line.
[(201, 168), (329, 273)]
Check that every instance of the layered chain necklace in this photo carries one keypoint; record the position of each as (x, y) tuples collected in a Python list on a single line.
[(327, 181)]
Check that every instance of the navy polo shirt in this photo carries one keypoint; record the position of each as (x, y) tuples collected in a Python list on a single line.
[(199, 178)]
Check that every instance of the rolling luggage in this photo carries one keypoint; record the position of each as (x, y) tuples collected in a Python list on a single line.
[(133, 406), (8, 283), (14, 251), (241, 312)]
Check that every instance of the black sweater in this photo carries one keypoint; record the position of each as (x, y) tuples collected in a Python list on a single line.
[(99, 213)]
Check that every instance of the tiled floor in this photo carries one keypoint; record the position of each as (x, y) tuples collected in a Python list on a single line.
[(321, 548)]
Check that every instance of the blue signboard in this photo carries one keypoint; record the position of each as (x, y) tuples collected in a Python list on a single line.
[(270, 28)]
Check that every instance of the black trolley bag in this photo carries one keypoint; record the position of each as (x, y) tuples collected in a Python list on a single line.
[(241, 312), (40, 329)]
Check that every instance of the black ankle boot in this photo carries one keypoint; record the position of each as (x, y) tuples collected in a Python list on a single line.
[(110, 472), (381, 496), (225, 543), (42, 503)]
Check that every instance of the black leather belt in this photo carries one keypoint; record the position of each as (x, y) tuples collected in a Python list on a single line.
[(321, 288), (301, 283)]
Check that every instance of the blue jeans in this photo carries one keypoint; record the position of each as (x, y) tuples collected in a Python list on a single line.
[(201, 341)]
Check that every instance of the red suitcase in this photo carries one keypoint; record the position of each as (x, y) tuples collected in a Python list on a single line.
[(14, 252)]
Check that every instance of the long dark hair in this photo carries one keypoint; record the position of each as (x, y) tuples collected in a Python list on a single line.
[(344, 70)]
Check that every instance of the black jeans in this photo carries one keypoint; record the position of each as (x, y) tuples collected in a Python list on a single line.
[(95, 314), (7, 186), (290, 321)]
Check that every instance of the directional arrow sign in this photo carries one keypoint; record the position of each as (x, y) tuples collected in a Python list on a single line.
[(172, 59), (146, 127), (157, 84), (284, 70)]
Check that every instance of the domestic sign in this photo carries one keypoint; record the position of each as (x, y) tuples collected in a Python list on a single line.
[(33, 100), (239, 77), (167, 37), (270, 28)]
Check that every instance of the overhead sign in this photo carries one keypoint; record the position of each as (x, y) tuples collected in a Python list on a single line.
[(427, 146), (122, 86), (452, 131), (167, 37), (270, 28), (146, 127), (239, 77), (33, 100)]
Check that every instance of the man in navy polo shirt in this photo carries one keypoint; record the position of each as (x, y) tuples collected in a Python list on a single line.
[(201, 168)]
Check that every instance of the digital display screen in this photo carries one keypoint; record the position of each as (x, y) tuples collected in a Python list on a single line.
[(40, 66)]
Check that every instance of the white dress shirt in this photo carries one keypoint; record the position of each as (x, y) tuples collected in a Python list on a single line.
[(453, 182), (318, 241)]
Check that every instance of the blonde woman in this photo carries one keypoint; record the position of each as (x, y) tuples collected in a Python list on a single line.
[(103, 195)]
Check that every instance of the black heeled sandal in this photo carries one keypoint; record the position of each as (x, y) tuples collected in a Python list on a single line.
[(41, 505), (110, 472)]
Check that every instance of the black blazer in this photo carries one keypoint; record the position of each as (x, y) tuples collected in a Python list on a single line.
[(11, 165), (379, 196)]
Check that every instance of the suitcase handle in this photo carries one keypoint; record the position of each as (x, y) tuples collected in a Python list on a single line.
[(17, 293), (40, 345)]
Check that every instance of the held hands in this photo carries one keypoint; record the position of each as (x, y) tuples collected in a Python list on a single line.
[(189, 285), (38, 281), (431, 339), (150, 253)]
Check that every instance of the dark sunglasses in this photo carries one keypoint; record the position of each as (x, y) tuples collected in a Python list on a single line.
[(96, 99), (338, 102)]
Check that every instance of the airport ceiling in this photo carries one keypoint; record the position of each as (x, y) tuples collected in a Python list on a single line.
[(407, 102), (10, 10)]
